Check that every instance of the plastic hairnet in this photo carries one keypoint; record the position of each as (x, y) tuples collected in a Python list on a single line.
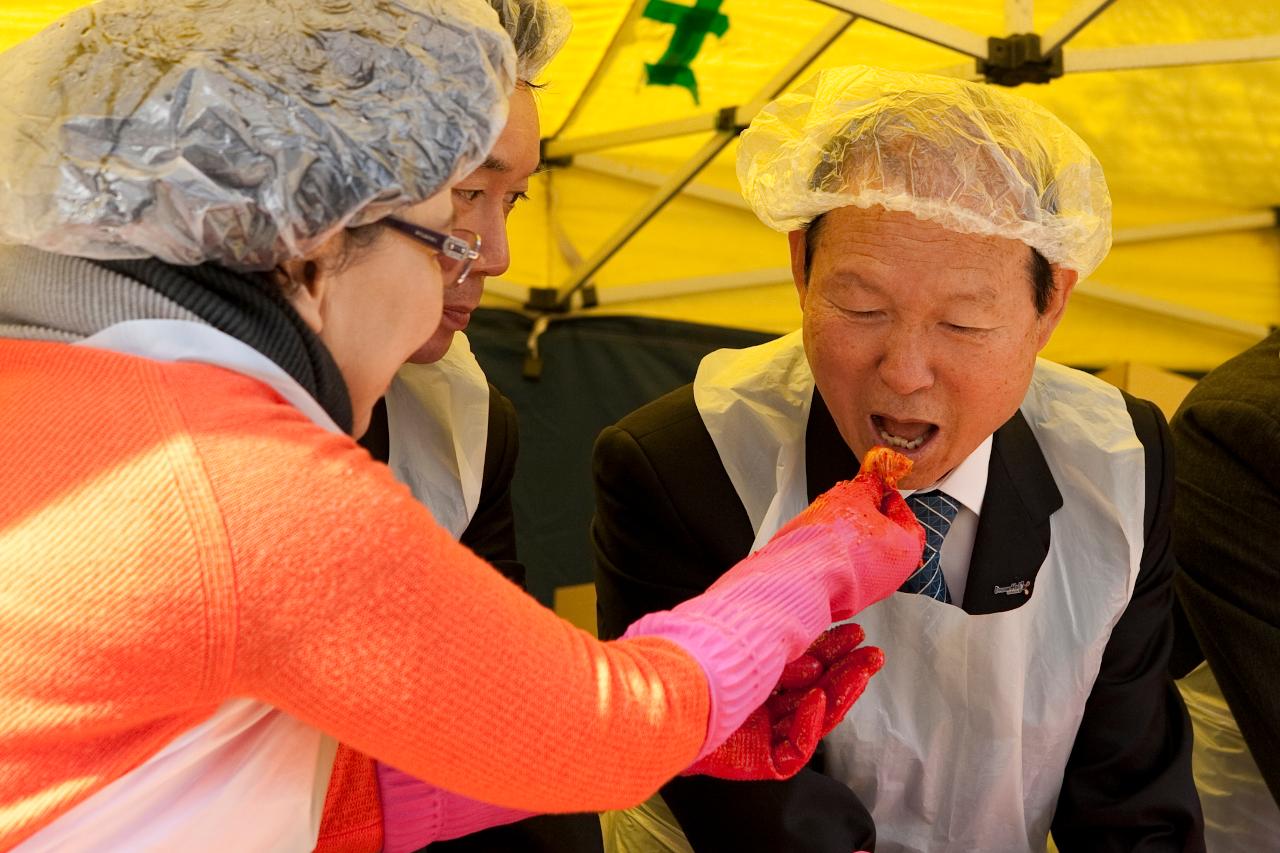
[(539, 28), (241, 132), (970, 157)]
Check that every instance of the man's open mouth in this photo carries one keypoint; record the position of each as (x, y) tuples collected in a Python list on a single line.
[(903, 434)]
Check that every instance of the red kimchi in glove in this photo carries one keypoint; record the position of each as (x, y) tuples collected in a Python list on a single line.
[(814, 693), (852, 547), (815, 690)]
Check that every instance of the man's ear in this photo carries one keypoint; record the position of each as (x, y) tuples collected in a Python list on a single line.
[(1064, 281), (796, 241)]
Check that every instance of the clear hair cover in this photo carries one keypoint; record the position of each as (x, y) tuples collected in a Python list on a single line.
[(971, 157), (241, 132)]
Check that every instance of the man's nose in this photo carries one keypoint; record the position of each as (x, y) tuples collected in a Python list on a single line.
[(495, 253), (905, 365)]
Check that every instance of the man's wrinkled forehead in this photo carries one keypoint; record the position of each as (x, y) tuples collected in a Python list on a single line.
[(869, 248)]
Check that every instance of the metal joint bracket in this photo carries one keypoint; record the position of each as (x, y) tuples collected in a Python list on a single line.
[(1014, 60), (548, 163), (545, 162), (532, 368), (727, 119), (545, 299)]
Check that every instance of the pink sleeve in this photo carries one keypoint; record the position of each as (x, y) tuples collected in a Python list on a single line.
[(415, 814)]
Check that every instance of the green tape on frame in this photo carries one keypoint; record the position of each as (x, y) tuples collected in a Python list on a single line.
[(693, 24)]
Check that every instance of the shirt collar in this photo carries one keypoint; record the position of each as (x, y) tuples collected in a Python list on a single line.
[(967, 482)]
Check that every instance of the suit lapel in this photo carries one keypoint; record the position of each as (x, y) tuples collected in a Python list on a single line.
[(1013, 529), (827, 459)]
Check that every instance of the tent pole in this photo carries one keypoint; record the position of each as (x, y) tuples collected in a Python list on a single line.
[(1088, 289), (677, 182), (1176, 230), (1168, 55), (686, 173), (700, 284), (1019, 16), (557, 148), (635, 174), (1076, 19), (1261, 220), (1171, 310), (823, 39), (606, 62), (914, 24)]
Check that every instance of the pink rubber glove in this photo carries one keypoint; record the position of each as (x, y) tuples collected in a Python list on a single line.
[(853, 546), (813, 694)]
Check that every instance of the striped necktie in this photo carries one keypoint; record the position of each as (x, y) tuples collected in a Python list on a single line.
[(935, 511)]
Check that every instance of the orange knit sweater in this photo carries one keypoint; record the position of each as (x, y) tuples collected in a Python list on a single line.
[(174, 535)]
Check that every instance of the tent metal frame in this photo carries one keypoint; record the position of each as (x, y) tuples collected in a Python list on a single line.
[(1170, 310), (774, 276), (730, 122), (1019, 16), (914, 24), (610, 55), (1261, 220), (558, 149), (601, 165), (1075, 19), (562, 150), (1134, 57)]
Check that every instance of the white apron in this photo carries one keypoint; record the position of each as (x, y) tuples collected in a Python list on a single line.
[(959, 743), (438, 415), (248, 778), (1239, 814)]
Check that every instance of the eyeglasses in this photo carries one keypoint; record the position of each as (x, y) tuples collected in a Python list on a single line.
[(459, 249)]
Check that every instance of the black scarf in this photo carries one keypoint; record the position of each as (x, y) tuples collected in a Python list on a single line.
[(251, 309)]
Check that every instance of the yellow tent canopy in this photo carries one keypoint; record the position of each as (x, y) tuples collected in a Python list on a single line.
[(1180, 100), (640, 214)]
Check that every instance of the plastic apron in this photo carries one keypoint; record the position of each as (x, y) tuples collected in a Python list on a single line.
[(959, 742), (248, 778), (1239, 814), (438, 416), (647, 828)]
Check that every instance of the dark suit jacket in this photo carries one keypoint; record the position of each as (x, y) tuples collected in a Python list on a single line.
[(1227, 538), (669, 522), (491, 534)]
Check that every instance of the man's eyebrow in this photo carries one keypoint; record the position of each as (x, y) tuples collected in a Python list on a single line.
[(849, 277), (494, 164)]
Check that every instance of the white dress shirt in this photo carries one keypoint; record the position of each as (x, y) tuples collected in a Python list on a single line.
[(966, 484)]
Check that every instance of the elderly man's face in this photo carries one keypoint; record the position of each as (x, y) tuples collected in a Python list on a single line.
[(919, 337)]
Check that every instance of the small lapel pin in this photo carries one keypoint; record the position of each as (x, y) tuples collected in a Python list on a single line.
[(1023, 587)]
